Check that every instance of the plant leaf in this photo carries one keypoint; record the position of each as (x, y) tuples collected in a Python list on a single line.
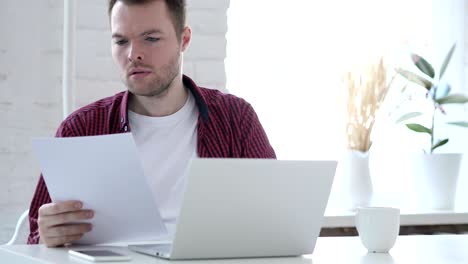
[(408, 116), (419, 128), (439, 143), (462, 124), (423, 65), (453, 99), (447, 60), (415, 78)]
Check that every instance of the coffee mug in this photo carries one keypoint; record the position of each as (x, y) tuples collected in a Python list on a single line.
[(378, 227)]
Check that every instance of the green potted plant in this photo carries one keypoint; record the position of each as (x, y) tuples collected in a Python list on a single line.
[(437, 172), (438, 95)]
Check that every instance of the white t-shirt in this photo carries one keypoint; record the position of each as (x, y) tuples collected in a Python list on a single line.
[(166, 144)]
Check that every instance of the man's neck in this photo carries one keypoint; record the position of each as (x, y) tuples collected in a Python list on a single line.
[(172, 100)]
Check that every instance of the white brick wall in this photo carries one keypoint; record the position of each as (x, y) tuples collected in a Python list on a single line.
[(30, 78), (30, 97)]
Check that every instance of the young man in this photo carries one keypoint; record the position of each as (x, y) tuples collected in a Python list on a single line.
[(171, 118)]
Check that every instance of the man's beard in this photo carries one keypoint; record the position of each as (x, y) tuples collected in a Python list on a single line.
[(161, 80)]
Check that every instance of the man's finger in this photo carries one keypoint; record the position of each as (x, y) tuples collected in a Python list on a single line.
[(68, 230), (64, 218), (59, 241), (60, 207)]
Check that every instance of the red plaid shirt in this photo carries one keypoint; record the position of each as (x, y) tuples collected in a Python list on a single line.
[(227, 128)]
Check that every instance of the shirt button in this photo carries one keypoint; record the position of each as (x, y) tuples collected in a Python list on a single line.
[(125, 128), (121, 120)]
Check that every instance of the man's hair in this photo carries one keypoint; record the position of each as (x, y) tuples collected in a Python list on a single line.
[(176, 9)]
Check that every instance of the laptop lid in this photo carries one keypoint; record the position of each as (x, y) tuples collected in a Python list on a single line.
[(252, 208)]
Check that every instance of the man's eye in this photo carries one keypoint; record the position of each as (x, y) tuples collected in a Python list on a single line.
[(152, 39), (121, 42)]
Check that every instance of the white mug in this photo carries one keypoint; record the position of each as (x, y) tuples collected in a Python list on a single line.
[(378, 227)]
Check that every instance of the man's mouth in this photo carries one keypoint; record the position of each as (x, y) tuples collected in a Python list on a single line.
[(139, 72), (136, 73)]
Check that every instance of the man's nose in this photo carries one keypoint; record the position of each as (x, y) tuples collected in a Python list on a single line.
[(135, 53)]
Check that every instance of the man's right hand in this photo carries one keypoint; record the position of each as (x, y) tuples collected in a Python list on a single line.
[(55, 228)]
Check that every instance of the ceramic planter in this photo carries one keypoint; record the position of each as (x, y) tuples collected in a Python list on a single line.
[(436, 180), (355, 165)]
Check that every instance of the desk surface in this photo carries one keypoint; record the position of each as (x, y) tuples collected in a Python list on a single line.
[(408, 249)]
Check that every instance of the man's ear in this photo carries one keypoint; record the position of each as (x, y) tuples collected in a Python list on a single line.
[(186, 38)]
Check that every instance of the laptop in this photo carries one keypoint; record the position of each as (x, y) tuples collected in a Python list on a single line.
[(242, 208)]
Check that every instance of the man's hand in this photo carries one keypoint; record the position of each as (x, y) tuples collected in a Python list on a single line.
[(55, 228)]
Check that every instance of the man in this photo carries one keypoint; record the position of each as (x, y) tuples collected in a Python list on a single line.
[(171, 118)]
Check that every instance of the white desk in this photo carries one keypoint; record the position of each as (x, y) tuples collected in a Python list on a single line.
[(408, 249)]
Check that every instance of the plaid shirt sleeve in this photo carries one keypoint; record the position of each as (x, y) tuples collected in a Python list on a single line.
[(254, 140)]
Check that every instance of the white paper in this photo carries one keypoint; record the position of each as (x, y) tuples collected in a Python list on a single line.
[(105, 173)]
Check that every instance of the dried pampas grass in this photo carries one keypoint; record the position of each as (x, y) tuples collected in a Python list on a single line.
[(367, 88)]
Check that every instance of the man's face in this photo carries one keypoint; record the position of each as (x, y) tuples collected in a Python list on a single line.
[(145, 47)]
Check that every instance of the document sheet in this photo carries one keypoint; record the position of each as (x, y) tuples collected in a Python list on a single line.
[(105, 173)]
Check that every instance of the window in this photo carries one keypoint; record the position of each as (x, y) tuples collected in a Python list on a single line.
[(288, 58)]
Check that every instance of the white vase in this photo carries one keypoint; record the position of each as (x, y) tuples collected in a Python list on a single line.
[(436, 180), (355, 169)]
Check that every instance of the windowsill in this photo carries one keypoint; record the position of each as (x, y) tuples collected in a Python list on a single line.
[(407, 218), (339, 213)]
